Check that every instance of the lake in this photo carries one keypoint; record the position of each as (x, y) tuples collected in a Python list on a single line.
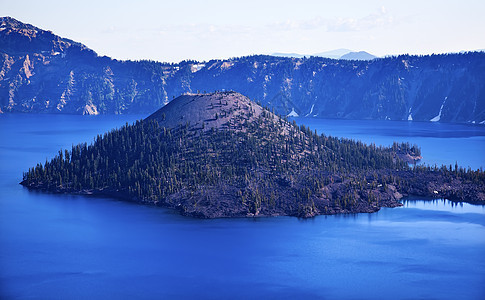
[(77, 247)]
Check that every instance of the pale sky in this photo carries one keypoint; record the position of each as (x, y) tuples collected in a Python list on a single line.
[(171, 31)]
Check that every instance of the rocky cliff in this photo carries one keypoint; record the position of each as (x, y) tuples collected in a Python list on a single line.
[(43, 73)]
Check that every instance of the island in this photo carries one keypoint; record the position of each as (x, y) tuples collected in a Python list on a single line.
[(222, 155)]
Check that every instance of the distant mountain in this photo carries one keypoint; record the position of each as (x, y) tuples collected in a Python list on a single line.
[(361, 55), (222, 155), (335, 54), (43, 73)]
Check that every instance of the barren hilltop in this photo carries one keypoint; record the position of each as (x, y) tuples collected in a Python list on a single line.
[(222, 155), (222, 110)]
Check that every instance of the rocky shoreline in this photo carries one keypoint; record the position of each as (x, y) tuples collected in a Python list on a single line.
[(200, 204)]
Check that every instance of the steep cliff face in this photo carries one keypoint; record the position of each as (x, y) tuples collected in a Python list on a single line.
[(397, 88), (43, 73)]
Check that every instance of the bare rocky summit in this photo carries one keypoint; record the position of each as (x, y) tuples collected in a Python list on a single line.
[(222, 110)]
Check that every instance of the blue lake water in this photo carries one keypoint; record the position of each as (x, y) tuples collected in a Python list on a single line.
[(75, 247), (440, 143)]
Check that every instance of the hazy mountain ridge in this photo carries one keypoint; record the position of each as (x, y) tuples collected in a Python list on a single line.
[(42, 73), (360, 55), (334, 54)]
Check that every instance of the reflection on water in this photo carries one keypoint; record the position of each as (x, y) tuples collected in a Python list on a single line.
[(444, 205)]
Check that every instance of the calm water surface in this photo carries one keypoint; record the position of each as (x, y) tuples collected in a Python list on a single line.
[(440, 143), (74, 247)]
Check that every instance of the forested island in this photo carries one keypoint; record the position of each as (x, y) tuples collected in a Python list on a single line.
[(222, 155)]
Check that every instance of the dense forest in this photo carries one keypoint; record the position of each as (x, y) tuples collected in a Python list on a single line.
[(269, 166)]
